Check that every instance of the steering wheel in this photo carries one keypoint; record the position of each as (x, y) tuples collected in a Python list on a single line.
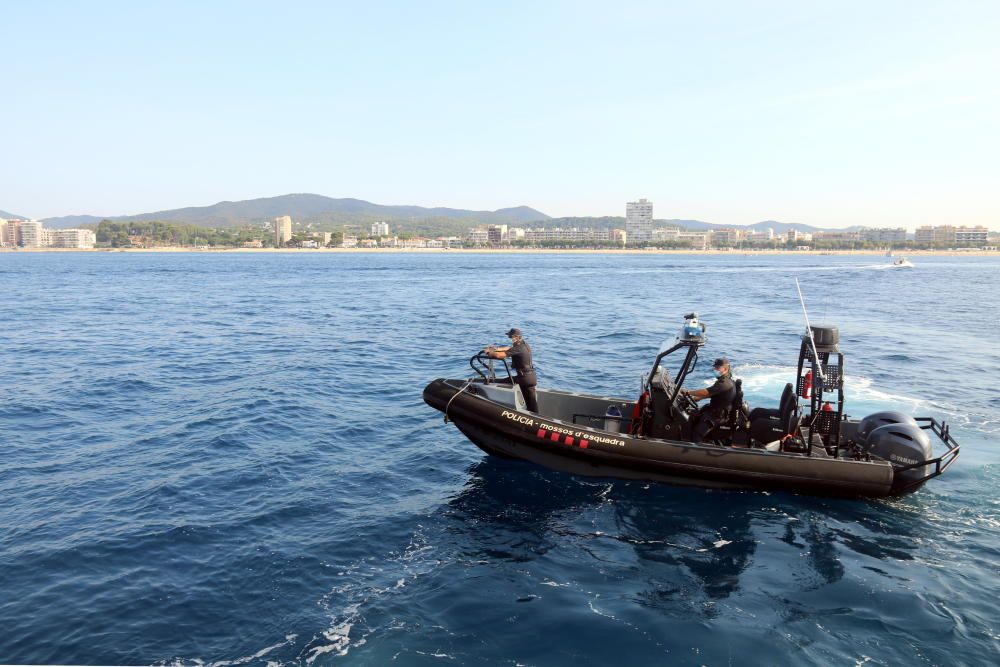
[(685, 404)]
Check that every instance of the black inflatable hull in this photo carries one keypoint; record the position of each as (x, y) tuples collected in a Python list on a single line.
[(502, 431)]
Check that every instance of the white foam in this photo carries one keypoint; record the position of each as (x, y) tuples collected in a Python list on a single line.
[(366, 582), (339, 636), (289, 639), (765, 383), (437, 654), (599, 612)]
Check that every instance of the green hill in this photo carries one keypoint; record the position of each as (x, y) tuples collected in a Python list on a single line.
[(322, 212)]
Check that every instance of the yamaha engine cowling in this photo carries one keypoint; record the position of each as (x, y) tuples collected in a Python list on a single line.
[(902, 445), (873, 421)]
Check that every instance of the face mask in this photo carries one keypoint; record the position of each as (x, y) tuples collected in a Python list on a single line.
[(720, 374)]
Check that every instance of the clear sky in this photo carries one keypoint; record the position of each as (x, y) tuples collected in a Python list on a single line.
[(826, 113)]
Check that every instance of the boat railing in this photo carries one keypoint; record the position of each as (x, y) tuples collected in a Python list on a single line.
[(482, 364), (941, 463)]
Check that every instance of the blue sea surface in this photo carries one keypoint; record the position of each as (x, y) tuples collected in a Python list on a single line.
[(225, 459)]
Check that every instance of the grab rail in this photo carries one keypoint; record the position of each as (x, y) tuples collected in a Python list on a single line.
[(941, 463), (486, 362)]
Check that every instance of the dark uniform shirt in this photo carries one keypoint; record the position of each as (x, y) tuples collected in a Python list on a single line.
[(722, 393), (520, 357)]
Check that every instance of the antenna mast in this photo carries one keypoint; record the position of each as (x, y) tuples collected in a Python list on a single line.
[(809, 332)]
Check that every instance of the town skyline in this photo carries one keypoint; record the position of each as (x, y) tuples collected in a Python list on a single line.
[(637, 230), (523, 215)]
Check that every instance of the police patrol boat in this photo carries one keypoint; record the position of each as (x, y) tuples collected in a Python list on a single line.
[(807, 444)]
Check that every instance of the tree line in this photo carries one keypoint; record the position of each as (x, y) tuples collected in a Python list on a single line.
[(152, 234)]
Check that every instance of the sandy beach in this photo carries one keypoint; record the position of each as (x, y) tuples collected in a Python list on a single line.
[(554, 251)]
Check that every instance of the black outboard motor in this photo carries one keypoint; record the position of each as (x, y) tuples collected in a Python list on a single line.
[(897, 438)]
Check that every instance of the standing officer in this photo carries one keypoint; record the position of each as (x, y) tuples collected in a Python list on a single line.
[(519, 353)]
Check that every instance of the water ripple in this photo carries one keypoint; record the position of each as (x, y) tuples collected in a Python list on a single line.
[(225, 460)]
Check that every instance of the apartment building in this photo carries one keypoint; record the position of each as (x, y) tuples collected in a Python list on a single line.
[(972, 235), (536, 236), (935, 234), (282, 229), (73, 238), (32, 234), (883, 234), (639, 221), (727, 237)]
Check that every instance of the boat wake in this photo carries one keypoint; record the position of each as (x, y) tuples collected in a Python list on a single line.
[(762, 385)]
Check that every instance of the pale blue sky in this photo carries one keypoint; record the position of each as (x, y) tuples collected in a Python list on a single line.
[(827, 113)]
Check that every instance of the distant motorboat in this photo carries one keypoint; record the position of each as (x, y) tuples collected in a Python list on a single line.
[(901, 263)]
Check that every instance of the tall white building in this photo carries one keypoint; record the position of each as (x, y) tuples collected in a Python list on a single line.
[(282, 229), (639, 221), (31, 233), (380, 229)]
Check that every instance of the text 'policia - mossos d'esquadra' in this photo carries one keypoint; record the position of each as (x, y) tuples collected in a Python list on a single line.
[(590, 436)]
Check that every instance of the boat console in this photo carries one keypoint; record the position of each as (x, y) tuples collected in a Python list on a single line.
[(810, 420), (668, 412)]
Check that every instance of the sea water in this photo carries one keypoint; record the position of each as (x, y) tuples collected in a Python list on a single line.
[(225, 459)]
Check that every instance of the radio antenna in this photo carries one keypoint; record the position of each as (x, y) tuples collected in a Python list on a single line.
[(809, 332)]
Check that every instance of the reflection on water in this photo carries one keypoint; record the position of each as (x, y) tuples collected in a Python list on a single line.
[(544, 545), (511, 503), (518, 511)]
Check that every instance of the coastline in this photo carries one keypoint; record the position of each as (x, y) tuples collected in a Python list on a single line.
[(547, 251)]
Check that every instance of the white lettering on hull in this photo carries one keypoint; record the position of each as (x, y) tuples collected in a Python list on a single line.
[(553, 428)]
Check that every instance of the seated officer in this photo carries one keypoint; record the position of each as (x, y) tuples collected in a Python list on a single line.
[(721, 393)]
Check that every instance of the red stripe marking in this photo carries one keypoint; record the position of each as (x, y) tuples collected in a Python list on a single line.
[(569, 441), (554, 436), (584, 443), (541, 433)]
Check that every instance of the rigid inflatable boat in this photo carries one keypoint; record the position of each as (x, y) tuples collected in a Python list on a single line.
[(806, 445)]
